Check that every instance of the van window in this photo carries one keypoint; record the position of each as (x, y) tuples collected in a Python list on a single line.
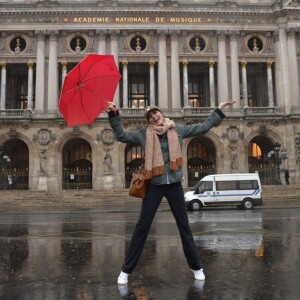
[(209, 186), (205, 186), (248, 184), (226, 185)]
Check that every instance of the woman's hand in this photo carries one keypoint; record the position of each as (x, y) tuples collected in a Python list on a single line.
[(224, 104), (111, 106)]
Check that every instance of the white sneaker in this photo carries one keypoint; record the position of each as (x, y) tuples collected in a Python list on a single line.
[(199, 275), (123, 278)]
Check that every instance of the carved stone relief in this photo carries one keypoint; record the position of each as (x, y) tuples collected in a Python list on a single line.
[(233, 135)]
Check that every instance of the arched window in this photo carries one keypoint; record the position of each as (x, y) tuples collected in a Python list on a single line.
[(200, 158), (77, 165)]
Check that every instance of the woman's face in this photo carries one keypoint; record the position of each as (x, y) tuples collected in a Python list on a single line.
[(156, 118)]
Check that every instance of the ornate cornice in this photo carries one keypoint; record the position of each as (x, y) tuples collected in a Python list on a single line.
[(222, 12)]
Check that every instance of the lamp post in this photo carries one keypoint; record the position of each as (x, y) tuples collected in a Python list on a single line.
[(4, 164), (277, 161)]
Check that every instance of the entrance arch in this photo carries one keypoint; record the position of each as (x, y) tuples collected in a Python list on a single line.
[(201, 159), (17, 165), (258, 160), (134, 157), (77, 165)]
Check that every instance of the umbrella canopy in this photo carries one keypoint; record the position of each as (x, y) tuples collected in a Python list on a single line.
[(87, 88)]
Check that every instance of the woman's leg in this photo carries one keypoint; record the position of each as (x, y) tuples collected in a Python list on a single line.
[(175, 196), (150, 205)]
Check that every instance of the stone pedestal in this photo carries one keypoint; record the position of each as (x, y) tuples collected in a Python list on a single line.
[(42, 183), (107, 182)]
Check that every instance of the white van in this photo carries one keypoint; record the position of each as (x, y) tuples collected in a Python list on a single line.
[(241, 190)]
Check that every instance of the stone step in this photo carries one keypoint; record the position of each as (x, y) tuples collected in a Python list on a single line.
[(119, 196)]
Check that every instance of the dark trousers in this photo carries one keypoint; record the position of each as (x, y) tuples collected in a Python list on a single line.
[(175, 196)]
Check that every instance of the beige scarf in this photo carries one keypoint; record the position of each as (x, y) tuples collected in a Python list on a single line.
[(154, 162)]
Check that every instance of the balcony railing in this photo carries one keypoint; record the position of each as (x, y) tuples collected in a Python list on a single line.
[(186, 112), (190, 111), (15, 114), (262, 111), (134, 112)]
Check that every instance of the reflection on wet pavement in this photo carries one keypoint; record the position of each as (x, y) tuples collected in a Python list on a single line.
[(66, 255)]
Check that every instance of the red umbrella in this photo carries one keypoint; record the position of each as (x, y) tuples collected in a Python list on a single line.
[(87, 88)]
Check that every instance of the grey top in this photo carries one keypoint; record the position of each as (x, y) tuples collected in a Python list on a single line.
[(184, 131)]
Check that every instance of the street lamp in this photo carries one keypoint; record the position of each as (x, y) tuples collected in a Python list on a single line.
[(4, 164), (277, 157)]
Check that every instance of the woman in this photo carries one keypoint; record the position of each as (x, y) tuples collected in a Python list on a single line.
[(162, 141)]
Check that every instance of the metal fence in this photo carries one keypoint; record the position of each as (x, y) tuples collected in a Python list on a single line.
[(19, 179), (267, 173)]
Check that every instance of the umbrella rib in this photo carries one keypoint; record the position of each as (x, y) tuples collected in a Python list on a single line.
[(80, 91), (90, 67), (71, 90), (100, 96)]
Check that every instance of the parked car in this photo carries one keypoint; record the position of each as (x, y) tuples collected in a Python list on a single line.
[(241, 190)]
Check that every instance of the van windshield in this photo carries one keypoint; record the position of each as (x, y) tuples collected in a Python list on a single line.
[(203, 186), (196, 186)]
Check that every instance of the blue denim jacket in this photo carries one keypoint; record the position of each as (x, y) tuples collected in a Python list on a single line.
[(184, 131)]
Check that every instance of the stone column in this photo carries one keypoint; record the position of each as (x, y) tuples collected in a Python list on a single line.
[(30, 85), (278, 71), (222, 67), (101, 36), (235, 78), (270, 84), (285, 68), (212, 93), (3, 86), (52, 74), (162, 71), (152, 83), (125, 83), (293, 67), (114, 49), (40, 74), (244, 84), (64, 65), (185, 83), (175, 72)]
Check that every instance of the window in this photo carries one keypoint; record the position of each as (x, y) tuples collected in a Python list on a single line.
[(255, 44), (198, 85), (78, 44), (17, 86), (138, 43), (138, 85), (257, 85), (197, 44), (226, 185), (248, 184), (17, 45)]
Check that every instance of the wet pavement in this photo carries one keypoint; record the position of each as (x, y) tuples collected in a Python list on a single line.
[(48, 254)]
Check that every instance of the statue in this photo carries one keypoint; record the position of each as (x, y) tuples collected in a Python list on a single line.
[(107, 162), (234, 163), (43, 159)]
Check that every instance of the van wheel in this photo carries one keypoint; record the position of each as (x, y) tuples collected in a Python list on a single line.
[(247, 204), (195, 205)]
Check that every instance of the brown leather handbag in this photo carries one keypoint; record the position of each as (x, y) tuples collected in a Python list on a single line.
[(138, 185)]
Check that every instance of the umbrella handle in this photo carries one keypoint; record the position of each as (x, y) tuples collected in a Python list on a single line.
[(112, 107)]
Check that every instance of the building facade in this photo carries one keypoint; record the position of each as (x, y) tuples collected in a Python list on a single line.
[(184, 56)]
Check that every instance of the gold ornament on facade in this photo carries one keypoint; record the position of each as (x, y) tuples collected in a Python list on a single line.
[(78, 46)]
